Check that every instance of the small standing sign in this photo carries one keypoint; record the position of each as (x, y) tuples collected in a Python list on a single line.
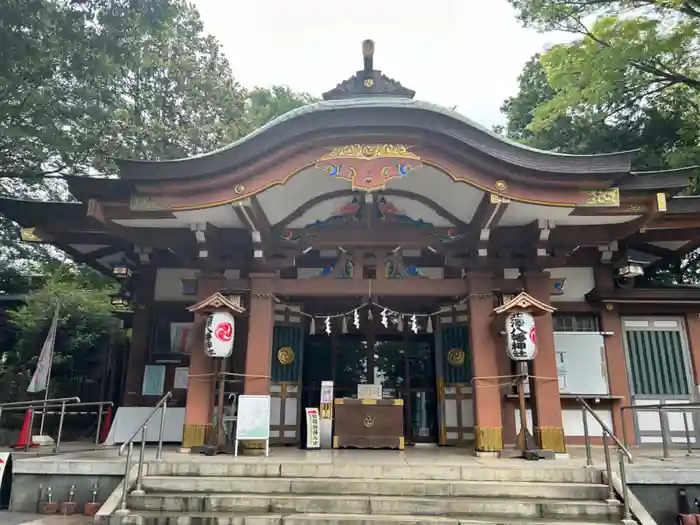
[(253, 423), (313, 431)]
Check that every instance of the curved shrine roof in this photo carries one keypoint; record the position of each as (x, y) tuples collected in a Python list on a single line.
[(376, 114)]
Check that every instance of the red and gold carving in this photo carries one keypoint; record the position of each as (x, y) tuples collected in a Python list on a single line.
[(369, 166)]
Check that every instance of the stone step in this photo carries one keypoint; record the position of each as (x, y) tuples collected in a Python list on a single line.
[(379, 487), (212, 518), (518, 472), (389, 505)]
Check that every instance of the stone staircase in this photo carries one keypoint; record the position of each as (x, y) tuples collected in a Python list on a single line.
[(267, 493)]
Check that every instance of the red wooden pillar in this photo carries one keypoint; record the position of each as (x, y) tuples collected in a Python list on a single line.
[(485, 348), (547, 416)]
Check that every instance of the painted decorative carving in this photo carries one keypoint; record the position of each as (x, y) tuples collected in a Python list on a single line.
[(456, 356), (369, 166), (390, 213), (142, 202), (557, 286), (347, 271), (501, 185), (295, 237), (609, 197), (392, 271), (452, 235), (352, 211), (29, 235), (285, 355)]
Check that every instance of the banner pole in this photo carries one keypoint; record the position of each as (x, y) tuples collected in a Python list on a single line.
[(48, 373)]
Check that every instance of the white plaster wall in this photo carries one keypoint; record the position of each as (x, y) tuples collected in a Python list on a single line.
[(168, 285), (572, 421), (579, 281)]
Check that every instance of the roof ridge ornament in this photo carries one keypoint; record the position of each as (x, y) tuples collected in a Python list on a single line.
[(368, 82)]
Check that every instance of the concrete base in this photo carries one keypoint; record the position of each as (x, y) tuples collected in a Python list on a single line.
[(562, 455), (43, 441)]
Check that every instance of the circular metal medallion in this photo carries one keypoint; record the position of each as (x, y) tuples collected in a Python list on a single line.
[(501, 185), (456, 356), (367, 421), (369, 82), (239, 189), (285, 355)]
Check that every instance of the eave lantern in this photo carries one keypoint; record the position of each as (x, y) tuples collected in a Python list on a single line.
[(517, 318), (219, 335), (220, 328)]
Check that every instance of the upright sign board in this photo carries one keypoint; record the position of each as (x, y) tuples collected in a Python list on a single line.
[(313, 433), (326, 423), (253, 423)]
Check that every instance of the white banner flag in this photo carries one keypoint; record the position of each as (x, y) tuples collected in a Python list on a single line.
[(40, 379)]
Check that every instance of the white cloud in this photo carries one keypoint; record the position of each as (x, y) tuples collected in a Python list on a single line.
[(462, 53)]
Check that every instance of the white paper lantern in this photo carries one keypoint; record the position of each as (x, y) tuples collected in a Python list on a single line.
[(521, 336), (219, 334)]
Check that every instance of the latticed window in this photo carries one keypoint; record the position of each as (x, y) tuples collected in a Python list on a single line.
[(564, 322)]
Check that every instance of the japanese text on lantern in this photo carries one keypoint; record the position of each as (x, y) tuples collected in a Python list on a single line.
[(521, 336)]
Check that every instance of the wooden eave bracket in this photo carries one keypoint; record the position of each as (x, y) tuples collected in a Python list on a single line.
[(524, 302), (217, 302)]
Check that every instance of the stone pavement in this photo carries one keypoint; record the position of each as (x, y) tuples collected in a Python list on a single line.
[(18, 518)]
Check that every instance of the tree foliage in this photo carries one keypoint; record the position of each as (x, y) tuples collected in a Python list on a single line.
[(86, 330), (630, 79), (634, 68), (83, 82)]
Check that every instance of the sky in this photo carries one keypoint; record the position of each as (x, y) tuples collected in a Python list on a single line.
[(464, 53)]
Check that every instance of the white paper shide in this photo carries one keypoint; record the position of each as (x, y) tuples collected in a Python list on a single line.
[(521, 336), (218, 335)]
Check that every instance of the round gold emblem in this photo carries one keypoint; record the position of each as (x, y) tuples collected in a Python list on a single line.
[(456, 356), (239, 189), (285, 355), (369, 82), (368, 421), (501, 185)]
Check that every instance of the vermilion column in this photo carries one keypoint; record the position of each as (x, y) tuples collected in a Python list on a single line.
[(485, 348), (615, 360), (259, 352), (692, 321), (198, 411), (140, 337), (549, 428)]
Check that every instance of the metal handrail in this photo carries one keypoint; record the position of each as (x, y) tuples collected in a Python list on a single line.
[(63, 412), (129, 446), (661, 408), (41, 403), (622, 453)]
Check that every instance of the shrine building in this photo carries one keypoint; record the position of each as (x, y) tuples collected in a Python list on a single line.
[(373, 239)]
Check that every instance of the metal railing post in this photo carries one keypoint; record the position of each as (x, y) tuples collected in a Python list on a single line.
[(159, 451), (626, 514), (608, 470), (99, 425), (625, 440), (587, 439), (125, 484), (57, 446), (664, 433), (689, 449), (142, 452)]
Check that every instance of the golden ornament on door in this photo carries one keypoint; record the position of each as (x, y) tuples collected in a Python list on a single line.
[(285, 355), (456, 356)]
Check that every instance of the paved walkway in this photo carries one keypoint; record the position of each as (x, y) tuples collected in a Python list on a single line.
[(18, 518)]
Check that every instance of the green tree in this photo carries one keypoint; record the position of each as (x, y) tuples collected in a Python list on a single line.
[(86, 330), (634, 65), (85, 82)]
